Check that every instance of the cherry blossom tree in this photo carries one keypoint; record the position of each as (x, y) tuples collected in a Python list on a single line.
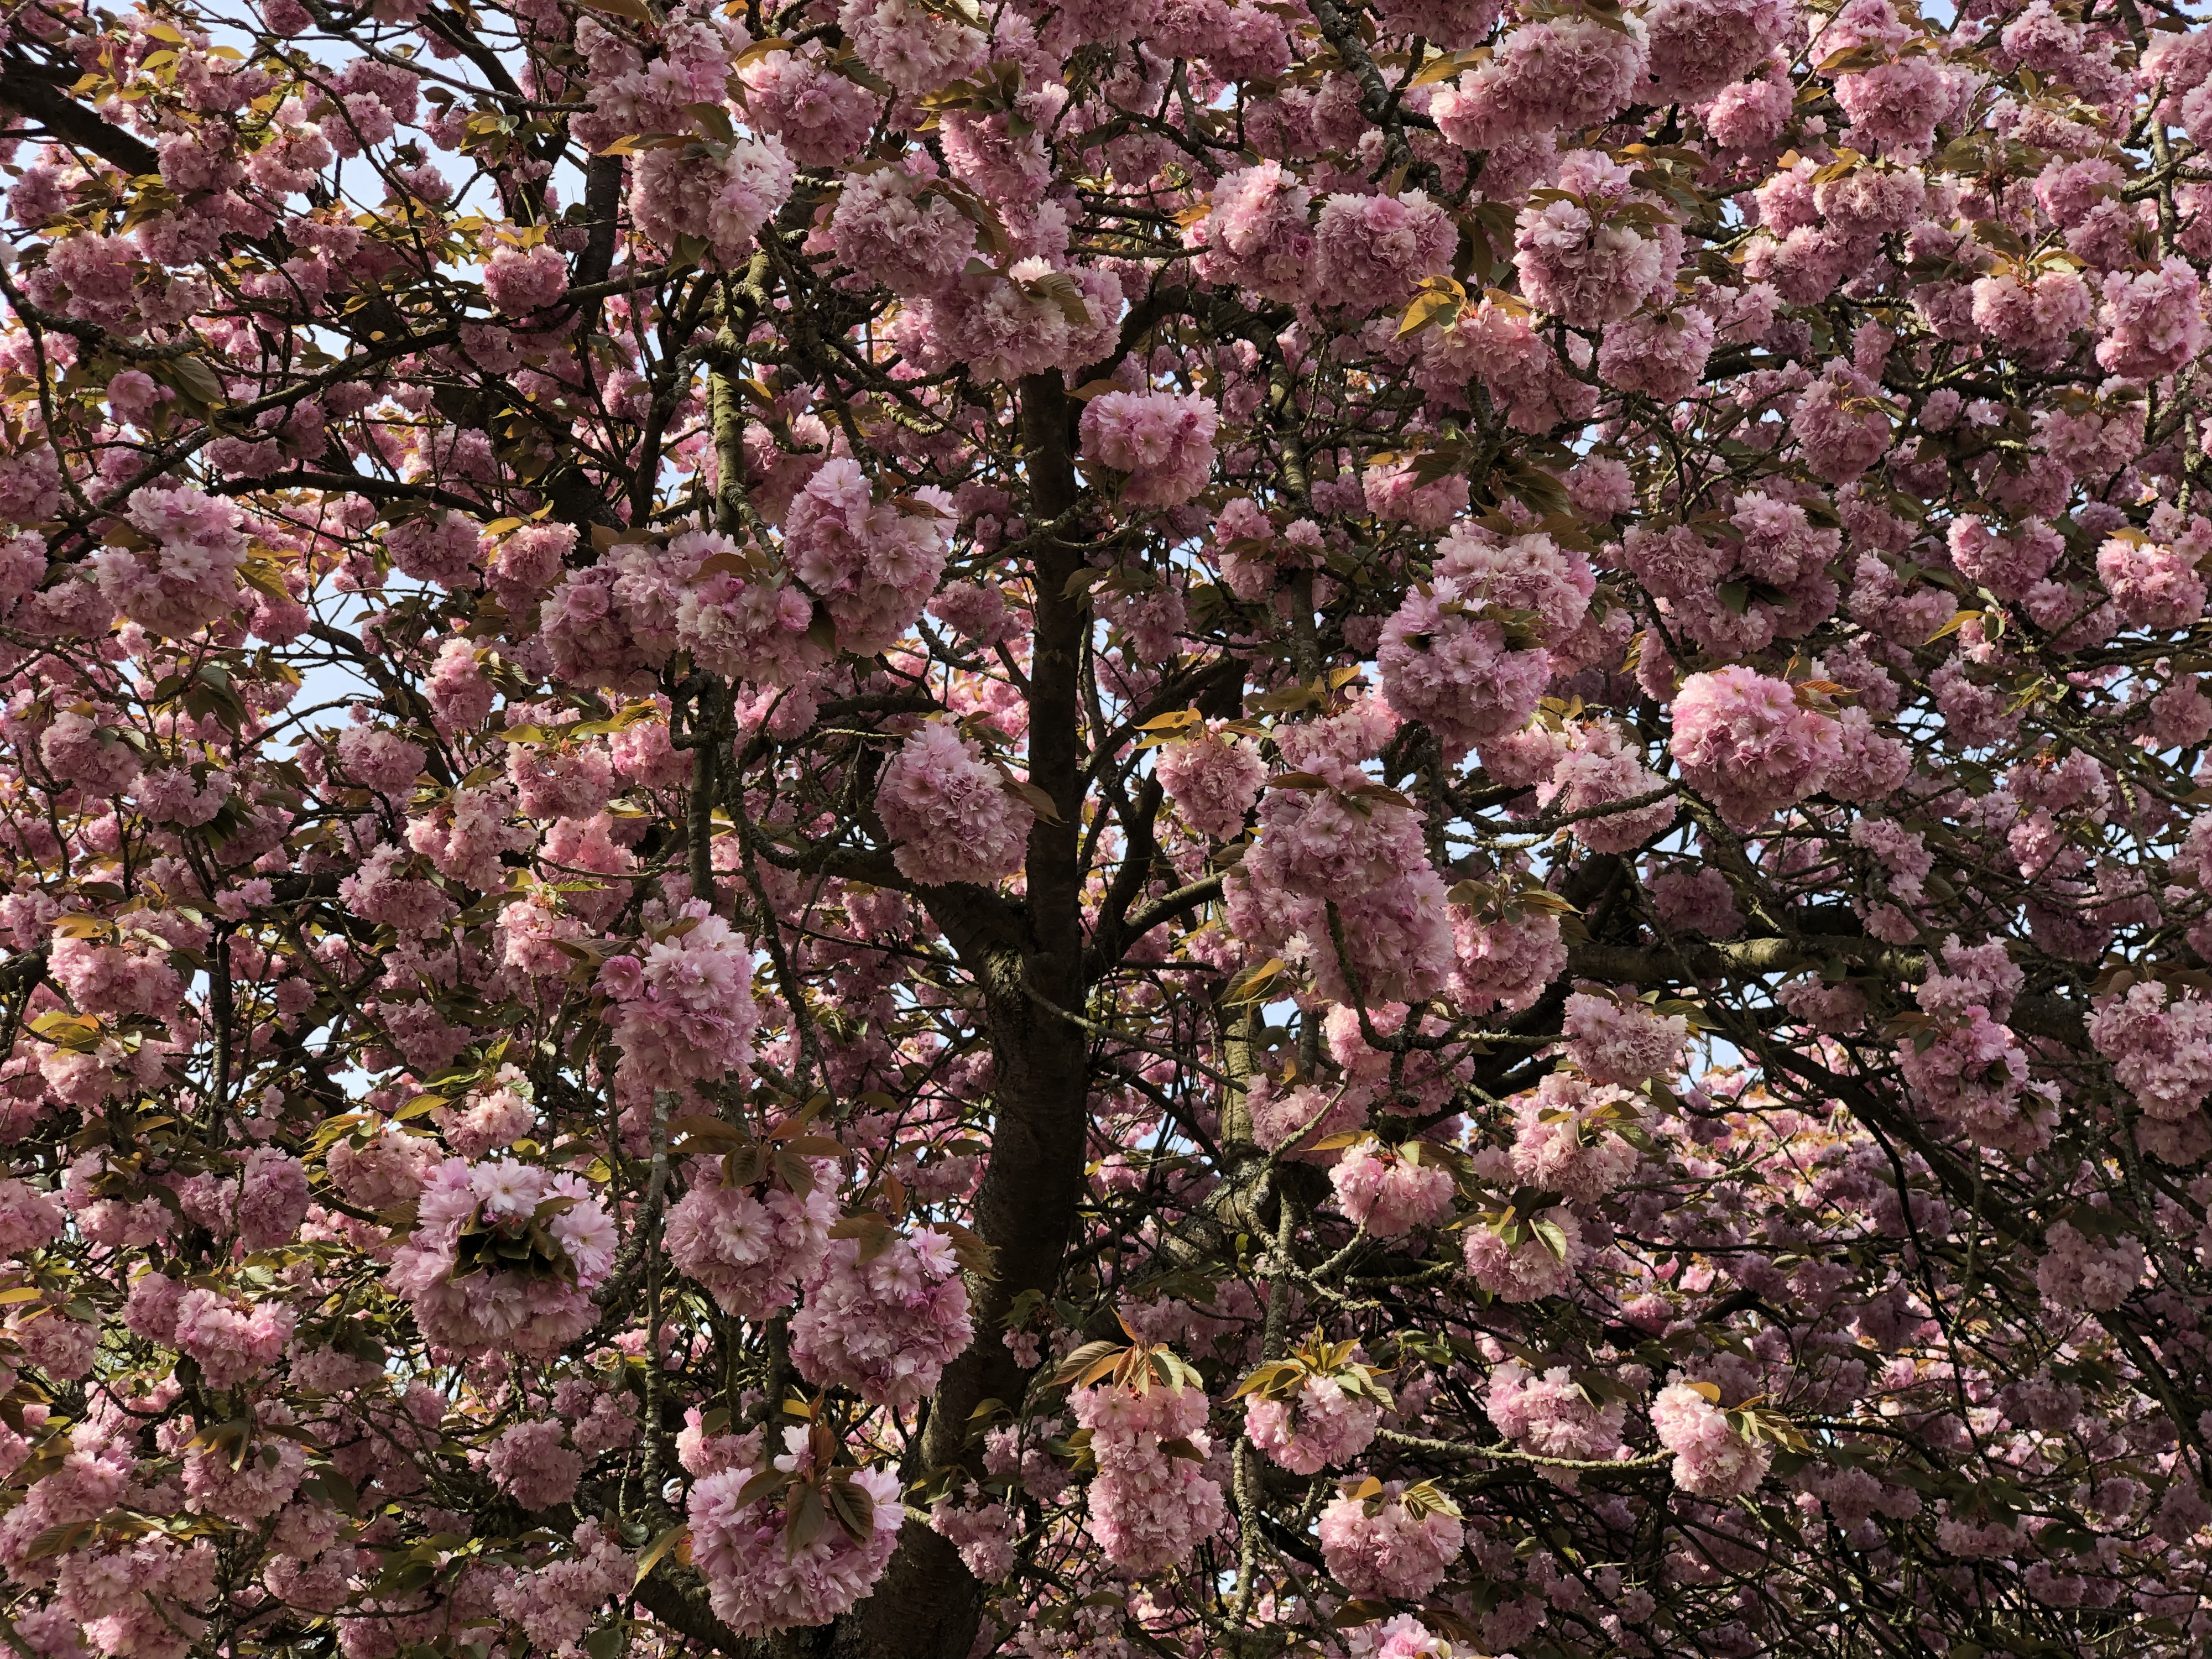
[(1193, 826)]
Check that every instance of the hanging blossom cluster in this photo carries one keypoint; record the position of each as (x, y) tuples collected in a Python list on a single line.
[(503, 1256), (760, 1576), (1152, 1503)]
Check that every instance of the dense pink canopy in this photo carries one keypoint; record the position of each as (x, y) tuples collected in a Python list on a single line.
[(894, 831)]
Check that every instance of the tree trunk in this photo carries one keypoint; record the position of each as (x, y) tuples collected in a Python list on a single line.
[(926, 1605)]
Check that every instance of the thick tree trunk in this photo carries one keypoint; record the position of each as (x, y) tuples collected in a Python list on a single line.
[(926, 1605)]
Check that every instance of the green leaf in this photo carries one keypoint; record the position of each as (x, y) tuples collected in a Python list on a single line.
[(1082, 1366), (659, 1548), (1553, 1236)]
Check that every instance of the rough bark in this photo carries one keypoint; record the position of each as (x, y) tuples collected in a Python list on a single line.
[(1030, 975), (38, 93)]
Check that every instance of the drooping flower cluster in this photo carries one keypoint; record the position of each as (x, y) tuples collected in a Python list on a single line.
[(1527, 1263), (761, 1576), (885, 1326), (1390, 1540), (951, 816), (1213, 779), (1163, 442), (2086, 1271), (1151, 1502), (1321, 1426), (870, 564), (723, 207), (1711, 1458), (1624, 1042), (749, 1249), (503, 1255), (684, 1009), (1553, 1415), (2160, 1048), (1746, 741), (1566, 1139), (1390, 1190)]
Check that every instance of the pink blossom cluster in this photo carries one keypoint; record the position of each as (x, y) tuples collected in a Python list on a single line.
[(2159, 1047), (1699, 48), (189, 576), (531, 1312), (1151, 1503), (459, 693), (1582, 260), (2153, 322), (1400, 1636), (1553, 1415), (2157, 585), (750, 1251), (1842, 424), (885, 1327), (2034, 320), (1505, 960), (985, 1534), (1971, 1073), (1620, 1039), (1602, 769), (1035, 317), (257, 1488), (28, 1218), (2008, 564), (870, 564), (1531, 1270), (888, 225), (380, 760), (1321, 1426), (518, 281), (2083, 1271), (755, 626), (1395, 491), (554, 1602), (722, 206), (916, 50), (1566, 73), (1163, 442), (1384, 1190), (1711, 1460), (1320, 845), (1447, 662), (1370, 250), (1745, 740), (272, 1199), (1257, 235), (1562, 1145), (685, 1008), (1661, 354), (1967, 1067), (760, 1578), (1387, 1546), (1530, 573), (532, 1467), (231, 1339), (823, 117), (1214, 780), (126, 978), (952, 816)]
